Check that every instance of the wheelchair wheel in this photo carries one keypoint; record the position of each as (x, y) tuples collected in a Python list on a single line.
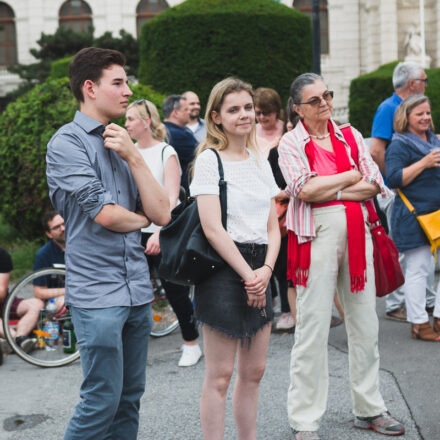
[(47, 352)]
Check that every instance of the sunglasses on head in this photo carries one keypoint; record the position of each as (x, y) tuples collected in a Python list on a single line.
[(143, 101)]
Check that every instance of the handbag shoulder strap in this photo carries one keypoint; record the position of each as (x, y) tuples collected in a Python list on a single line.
[(406, 201), (351, 141), (222, 187)]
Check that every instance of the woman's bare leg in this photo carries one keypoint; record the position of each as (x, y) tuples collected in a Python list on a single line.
[(219, 365), (250, 370)]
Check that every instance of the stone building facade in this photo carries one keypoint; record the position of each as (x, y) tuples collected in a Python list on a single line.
[(357, 35)]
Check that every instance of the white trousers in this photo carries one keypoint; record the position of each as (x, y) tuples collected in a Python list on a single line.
[(418, 268), (395, 300), (329, 270)]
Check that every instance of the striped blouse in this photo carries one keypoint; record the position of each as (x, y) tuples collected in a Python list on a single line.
[(296, 171)]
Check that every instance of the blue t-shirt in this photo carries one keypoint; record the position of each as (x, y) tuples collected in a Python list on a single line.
[(384, 118), (46, 257)]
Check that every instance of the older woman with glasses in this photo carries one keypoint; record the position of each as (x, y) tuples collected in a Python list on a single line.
[(270, 127), (330, 249), (143, 124)]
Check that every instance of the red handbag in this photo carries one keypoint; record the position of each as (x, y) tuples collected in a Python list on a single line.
[(387, 270)]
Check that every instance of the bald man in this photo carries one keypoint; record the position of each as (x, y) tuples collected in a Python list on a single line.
[(196, 124)]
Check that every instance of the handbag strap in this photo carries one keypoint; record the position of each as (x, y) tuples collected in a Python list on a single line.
[(407, 202), (354, 150), (222, 187)]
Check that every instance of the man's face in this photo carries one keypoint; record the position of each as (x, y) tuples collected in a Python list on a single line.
[(56, 230), (419, 84), (193, 105), (182, 114), (112, 93)]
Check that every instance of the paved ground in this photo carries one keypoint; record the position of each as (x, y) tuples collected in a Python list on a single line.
[(409, 382)]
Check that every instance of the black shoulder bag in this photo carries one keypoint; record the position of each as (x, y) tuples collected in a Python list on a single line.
[(187, 256)]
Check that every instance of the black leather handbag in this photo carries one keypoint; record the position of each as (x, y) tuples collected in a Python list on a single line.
[(187, 256)]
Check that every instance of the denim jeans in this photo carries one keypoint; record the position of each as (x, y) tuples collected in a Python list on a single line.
[(113, 343)]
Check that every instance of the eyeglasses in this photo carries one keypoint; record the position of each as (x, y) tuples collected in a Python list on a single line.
[(143, 101), (57, 227), (259, 113), (327, 96), (425, 80)]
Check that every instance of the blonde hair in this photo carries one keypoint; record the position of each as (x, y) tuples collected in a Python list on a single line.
[(215, 136), (405, 108), (157, 128)]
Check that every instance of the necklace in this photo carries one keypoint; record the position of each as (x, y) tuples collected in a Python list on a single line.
[(320, 137)]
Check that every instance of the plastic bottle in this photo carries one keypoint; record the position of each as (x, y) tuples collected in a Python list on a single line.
[(69, 339), (51, 326)]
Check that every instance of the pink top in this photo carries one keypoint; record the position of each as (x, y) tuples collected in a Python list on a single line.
[(324, 165), (296, 171)]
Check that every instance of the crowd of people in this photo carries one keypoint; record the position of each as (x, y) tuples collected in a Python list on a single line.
[(297, 228)]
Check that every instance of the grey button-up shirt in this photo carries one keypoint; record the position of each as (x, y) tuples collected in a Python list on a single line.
[(104, 268)]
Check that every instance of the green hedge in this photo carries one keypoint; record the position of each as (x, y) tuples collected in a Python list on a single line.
[(369, 90), (200, 42), (26, 127), (60, 68)]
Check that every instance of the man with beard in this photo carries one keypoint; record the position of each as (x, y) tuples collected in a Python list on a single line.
[(196, 124), (51, 253)]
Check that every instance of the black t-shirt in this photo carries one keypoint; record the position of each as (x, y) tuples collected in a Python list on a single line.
[(5, 261)]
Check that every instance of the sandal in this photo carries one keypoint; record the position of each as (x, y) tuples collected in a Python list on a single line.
[(424, 332)]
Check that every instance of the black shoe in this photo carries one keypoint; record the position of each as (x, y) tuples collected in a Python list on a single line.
[(26, 343), (335, 321)]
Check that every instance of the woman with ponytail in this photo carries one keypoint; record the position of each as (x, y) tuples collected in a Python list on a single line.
[(330, 248), (144, 125)]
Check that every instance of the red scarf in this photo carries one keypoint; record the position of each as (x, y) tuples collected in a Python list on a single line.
[(299, 254)]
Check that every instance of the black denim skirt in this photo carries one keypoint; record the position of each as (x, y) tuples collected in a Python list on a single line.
[(221, 300)]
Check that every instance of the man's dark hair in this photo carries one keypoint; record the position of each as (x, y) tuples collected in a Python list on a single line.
[(89, 63), (48, 217), (171, 103)]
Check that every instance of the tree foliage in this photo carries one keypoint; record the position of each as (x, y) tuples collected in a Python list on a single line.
[(64, 43), (200, 42), (26, 127)]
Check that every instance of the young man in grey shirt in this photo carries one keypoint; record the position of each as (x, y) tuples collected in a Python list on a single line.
[(100, 185)]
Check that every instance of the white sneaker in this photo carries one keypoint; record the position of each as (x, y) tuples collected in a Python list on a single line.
[(191, 354), (285, 322)]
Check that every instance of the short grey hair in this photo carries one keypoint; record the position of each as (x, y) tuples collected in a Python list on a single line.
[(404, 72), (171, 103), (298, 85)]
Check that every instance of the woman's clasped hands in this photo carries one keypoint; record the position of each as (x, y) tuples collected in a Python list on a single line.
[(257, 286)]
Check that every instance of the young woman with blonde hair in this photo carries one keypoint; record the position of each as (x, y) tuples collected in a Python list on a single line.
[(144, 125), (234, 304)]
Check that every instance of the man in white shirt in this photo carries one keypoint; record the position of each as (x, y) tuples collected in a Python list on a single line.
[(196, 124)]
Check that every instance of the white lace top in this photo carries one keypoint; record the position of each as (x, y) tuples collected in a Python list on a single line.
[(250, 187)]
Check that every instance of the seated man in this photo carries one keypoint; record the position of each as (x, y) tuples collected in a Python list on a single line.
[(51, 253), (26, 311)]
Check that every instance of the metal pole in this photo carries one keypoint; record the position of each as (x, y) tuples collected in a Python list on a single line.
[(422, 31), (316, 38)]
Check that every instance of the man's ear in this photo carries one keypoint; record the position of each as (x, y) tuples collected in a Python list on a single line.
[(89, 89), (216, 117), (49, 235)]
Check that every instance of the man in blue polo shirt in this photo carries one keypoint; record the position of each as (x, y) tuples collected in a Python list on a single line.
[(408, 79)]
